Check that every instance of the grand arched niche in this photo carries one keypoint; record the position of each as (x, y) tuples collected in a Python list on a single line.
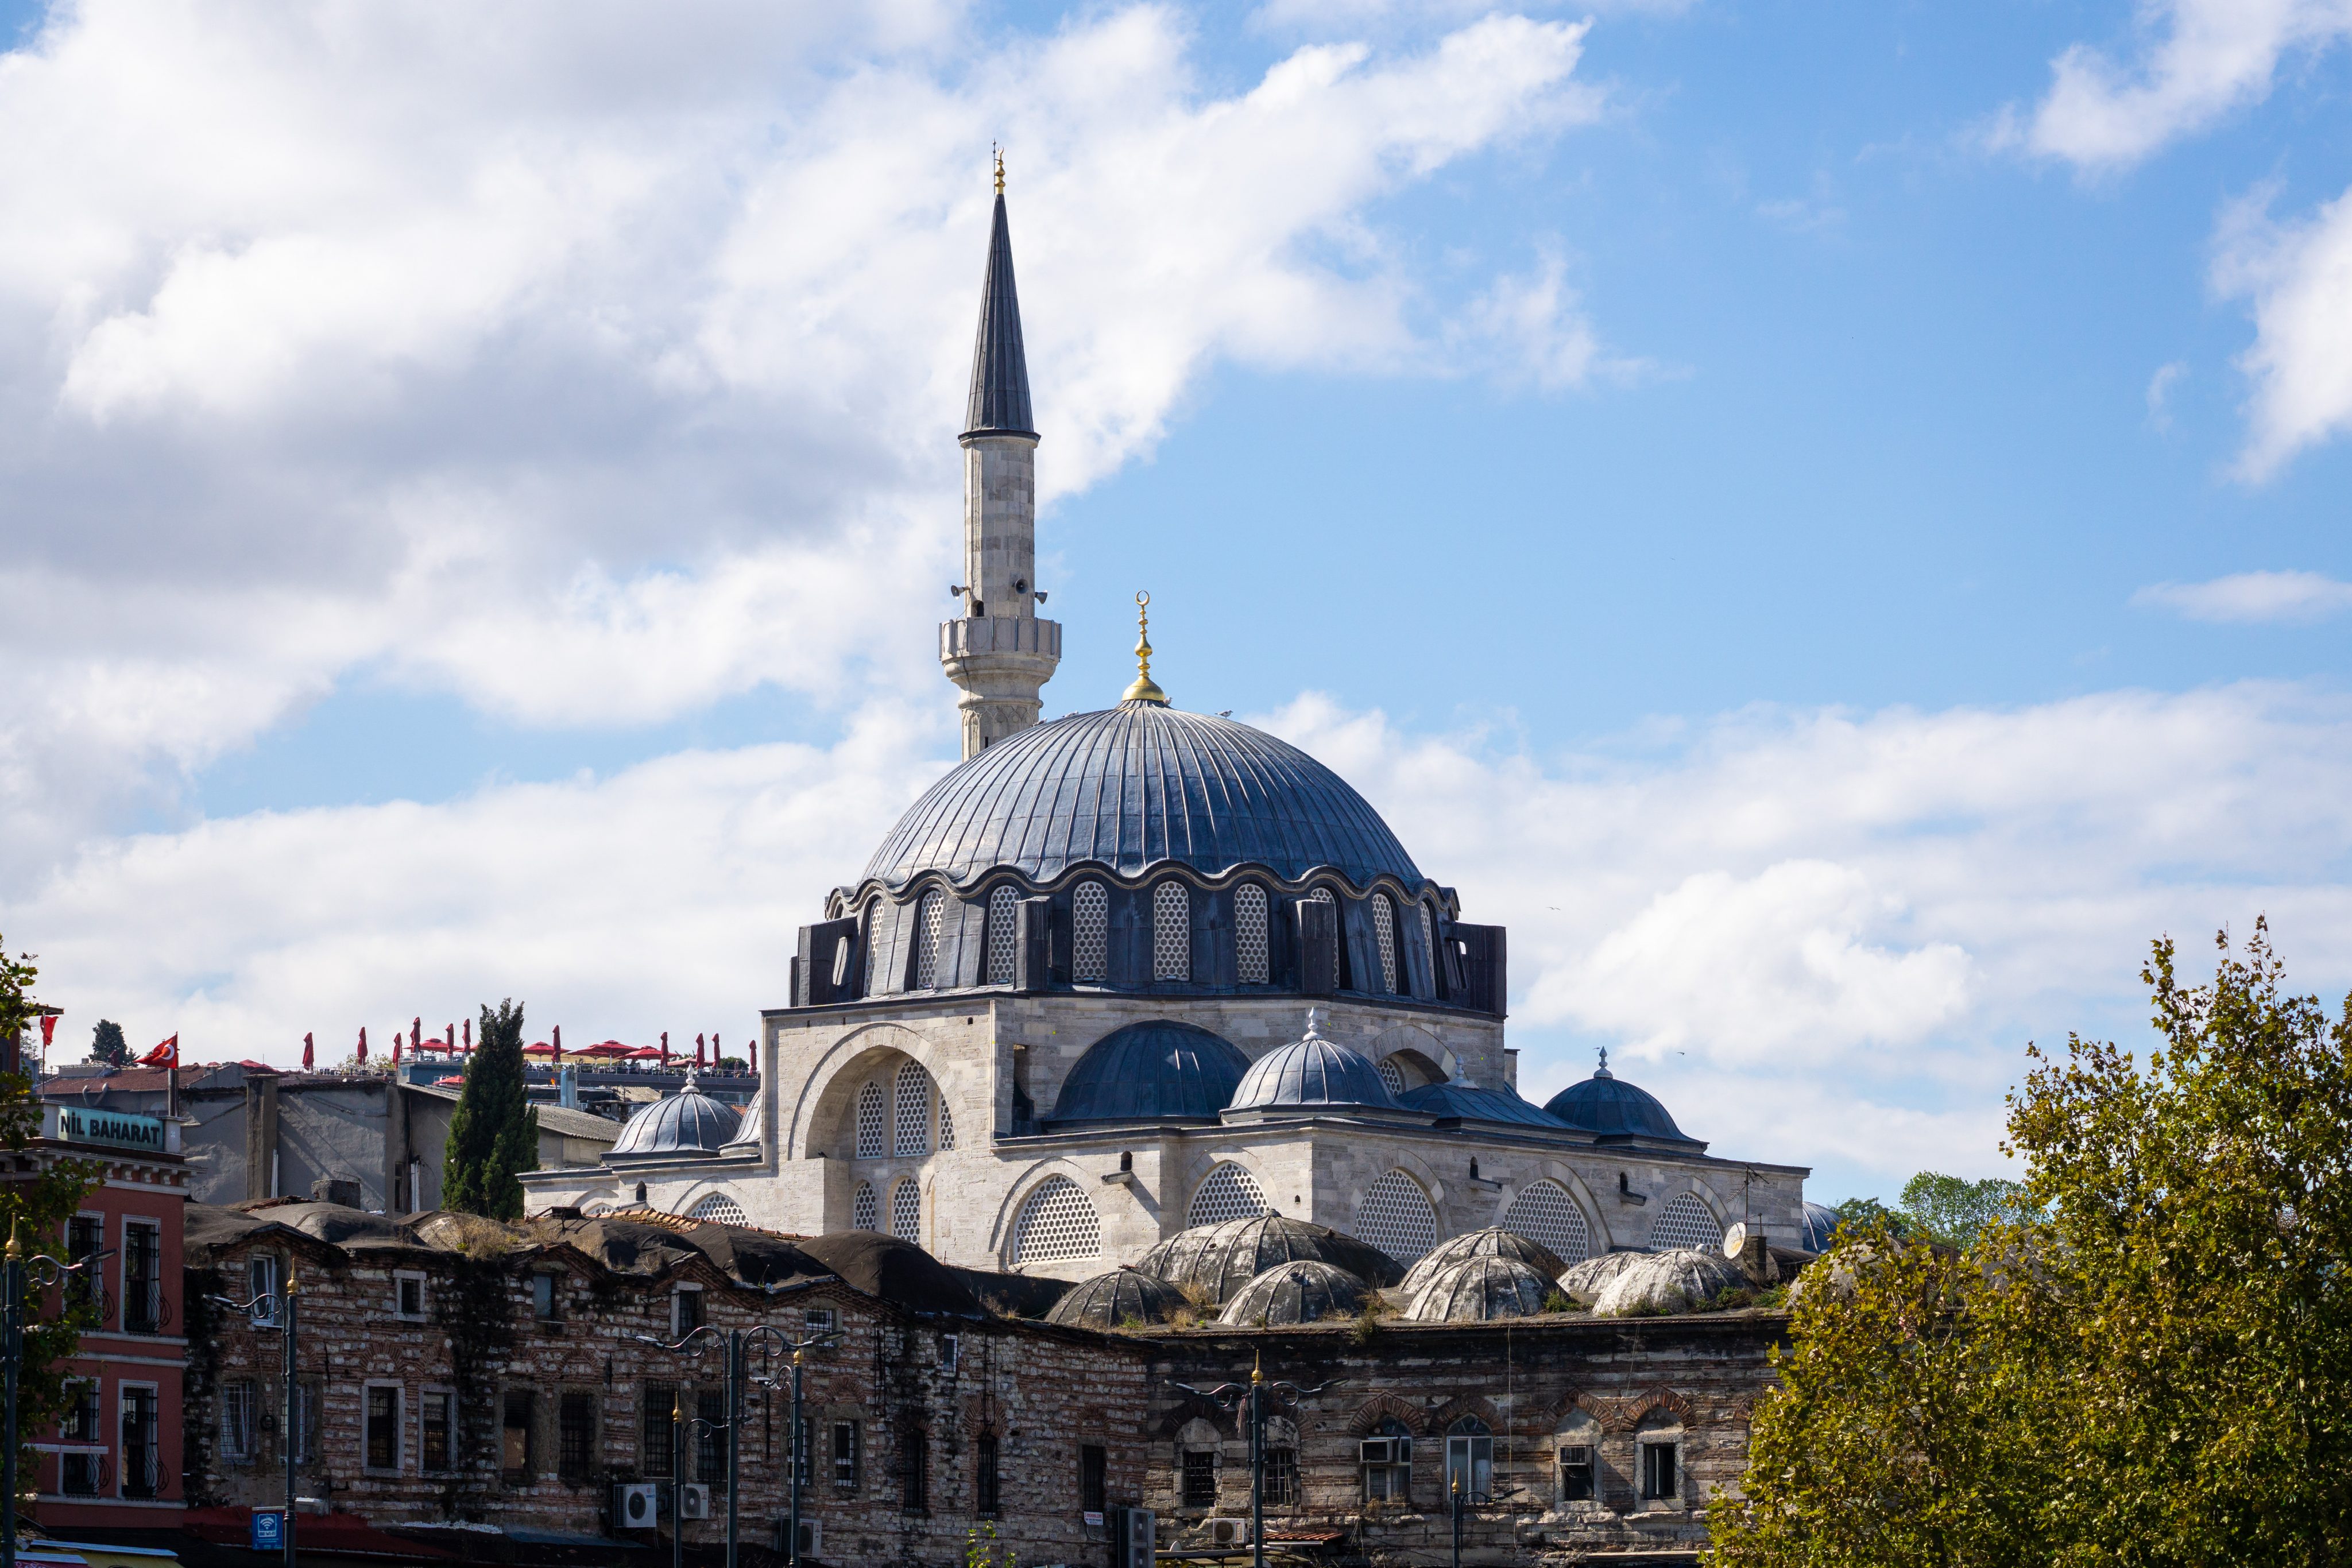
[(1596, 1218), (824, 1120), (1424, 1058), (1031, 1177)]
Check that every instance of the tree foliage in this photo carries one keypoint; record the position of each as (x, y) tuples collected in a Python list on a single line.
[(1955, 1211), (2148, 1361), (35, 1210), (494, 1134), (107, 1046)]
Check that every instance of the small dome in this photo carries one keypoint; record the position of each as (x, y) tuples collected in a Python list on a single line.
[(1155, 1070), (1673, 1281), (1819, 1228), (1121, 1297), (1313, 1071), (752, 1131), (688, 1122), (1221, 1258), (1492, 1242), (1296, 1292), (1606, 1105), (1583, 1282), (1464, 1102), (1479, 1290)]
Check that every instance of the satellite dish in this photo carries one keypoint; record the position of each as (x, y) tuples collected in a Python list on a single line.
[(1734, 1239)]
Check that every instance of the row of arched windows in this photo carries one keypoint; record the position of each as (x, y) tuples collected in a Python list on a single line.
[(910, 1118), (905, 1209)]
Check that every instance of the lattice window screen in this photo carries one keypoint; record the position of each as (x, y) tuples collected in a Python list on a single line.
[(1396, 1217), (1384, 936), (947, 1124), (1393, 1075), (1171, 932), (873, 946), (1229, 1192), (862, 1214), (1544, 1212), (870, 1135), (1429, 941), (1090, 931), (907, 1211), (1684, 1222), (911, 1108), (1003, 931), (928, 918), (1249, 933), (719, 1209), (1057, 1222)]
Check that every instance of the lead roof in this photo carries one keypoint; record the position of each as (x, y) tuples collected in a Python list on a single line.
[(1000, 368)]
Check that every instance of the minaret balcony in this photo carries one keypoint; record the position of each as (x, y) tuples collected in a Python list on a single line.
[(984, 635)]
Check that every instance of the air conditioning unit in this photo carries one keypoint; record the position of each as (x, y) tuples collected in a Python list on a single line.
[(635, 1505), (1386, 1451), (811, 1540), (1229, 1533), (693, 1500)]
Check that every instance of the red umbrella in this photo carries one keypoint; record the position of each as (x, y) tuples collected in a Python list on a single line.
[(362, 1043), (646, 1053), (604, 1048), (541, 1048), (307, 1050)]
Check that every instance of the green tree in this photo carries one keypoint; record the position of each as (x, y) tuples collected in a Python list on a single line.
[(107, 1045), (1856, 1213), (1955, 1211), (494, 1136), (2148, 1361)]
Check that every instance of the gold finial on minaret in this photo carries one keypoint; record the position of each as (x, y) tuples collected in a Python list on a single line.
[(1144, 689), (992, 146)]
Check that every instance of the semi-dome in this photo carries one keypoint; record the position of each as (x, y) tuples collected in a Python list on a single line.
[(1312, 1071), (1819, 1227), (1492, 1242), (687, 1122), (1120, 1297), (1133, 786), (752, 1132), (1464, 1102), (1479, 1290), (1219, 1260), (1303, 1291), (1156, 1071), (1609, 1107)]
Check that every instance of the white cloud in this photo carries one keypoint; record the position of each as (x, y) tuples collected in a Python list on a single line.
[(2196, 60), (594, 372), (2251, 596), (2299, 278), (2160, 392)]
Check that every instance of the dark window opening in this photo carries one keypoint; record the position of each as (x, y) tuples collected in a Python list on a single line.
[(79, 1472), (1280, 1484), (1575, 1473), (384, 1428), (1657, 1470), (915, 1470), (844, 1455), (576, 1436), (1093, 1476), (85, 1234), (986, 1494), (546, 1301), (141, 1467), (515, 1446), (412, 1298), (689, 1313), (710, 1437), (142, 1279), (655, 1453), (439, 1433), (1199, 1478)]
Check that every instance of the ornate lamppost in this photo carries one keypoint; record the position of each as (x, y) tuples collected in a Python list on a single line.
[(735, 1343), (279, 1306), (16, 1271), (1255, 1394)]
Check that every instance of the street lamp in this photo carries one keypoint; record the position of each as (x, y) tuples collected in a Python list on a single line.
[(735, 1341), (1226, 1396), (279, 1306), (15, 1270)]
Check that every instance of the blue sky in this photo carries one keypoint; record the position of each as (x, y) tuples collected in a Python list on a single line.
[(1772, 500)]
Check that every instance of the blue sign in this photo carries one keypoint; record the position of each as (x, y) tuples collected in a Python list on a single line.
[(268, 1530)]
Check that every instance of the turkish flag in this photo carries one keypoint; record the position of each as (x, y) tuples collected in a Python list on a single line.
[(48, 1030), (164, 1055), (308, 1053)]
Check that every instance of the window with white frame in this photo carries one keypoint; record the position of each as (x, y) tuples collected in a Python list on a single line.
[(819, 1319), (686, 1311), (1003, 933), (1384, 939), (1059, 1220), (1227, 1192), (911, 1111), (142, 1469), (1396, 1217), (1171, 932), (864, 1214), (930, 917), (438, 1432), (872, 1125), (1386, 1459), (142, 1277), (1684, 1222), (408, 1295), (1251, 960), (240, 1408), (261, 1289), (1661, 1469), (1580, 1448), (1090, 932), (1544, 1212), (78, 1473), (1470, 1460), (907, 1210)]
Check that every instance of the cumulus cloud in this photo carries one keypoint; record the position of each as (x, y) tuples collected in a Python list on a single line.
[(593, 376), (2298, 276), (2251, 596), (2196, 62)]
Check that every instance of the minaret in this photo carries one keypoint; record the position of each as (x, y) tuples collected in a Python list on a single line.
[(999, 653)]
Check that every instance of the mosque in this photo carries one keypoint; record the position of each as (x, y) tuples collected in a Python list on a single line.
[(1139, 970)]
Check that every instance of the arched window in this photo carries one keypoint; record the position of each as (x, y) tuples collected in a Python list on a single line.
[(930, 917), (1056, 1221), (1386, 1458), (907, 1210), (947, 1124), (1684, 1222), (1281, 1485), (862, 1214), (719, 1209), (1470, 1460), (1229, 1192), (1578, 1442), (1003, 932), (1251, 963), (1429, 943), (910, 1107), (1544, 1212), (1393, 1075), (1171, 932), (1397, 1218), (873, 946), (871, 1144), (1384, 938), (1090, 932)]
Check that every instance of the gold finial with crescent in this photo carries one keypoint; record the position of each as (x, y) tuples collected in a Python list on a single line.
[(1143, 689)]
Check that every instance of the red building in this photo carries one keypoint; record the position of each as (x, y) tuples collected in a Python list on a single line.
[(114, 1463)]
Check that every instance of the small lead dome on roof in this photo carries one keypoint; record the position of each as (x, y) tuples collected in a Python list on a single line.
[(687, 1123), (1609, 1107), (1313, 1071)]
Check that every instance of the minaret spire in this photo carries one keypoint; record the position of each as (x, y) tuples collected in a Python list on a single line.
[(999, 653)]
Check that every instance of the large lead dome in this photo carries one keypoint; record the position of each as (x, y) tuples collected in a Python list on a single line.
[(1134, 785)]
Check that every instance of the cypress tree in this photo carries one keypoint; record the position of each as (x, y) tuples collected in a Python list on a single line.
[(494, 1134), (108, 1046)]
